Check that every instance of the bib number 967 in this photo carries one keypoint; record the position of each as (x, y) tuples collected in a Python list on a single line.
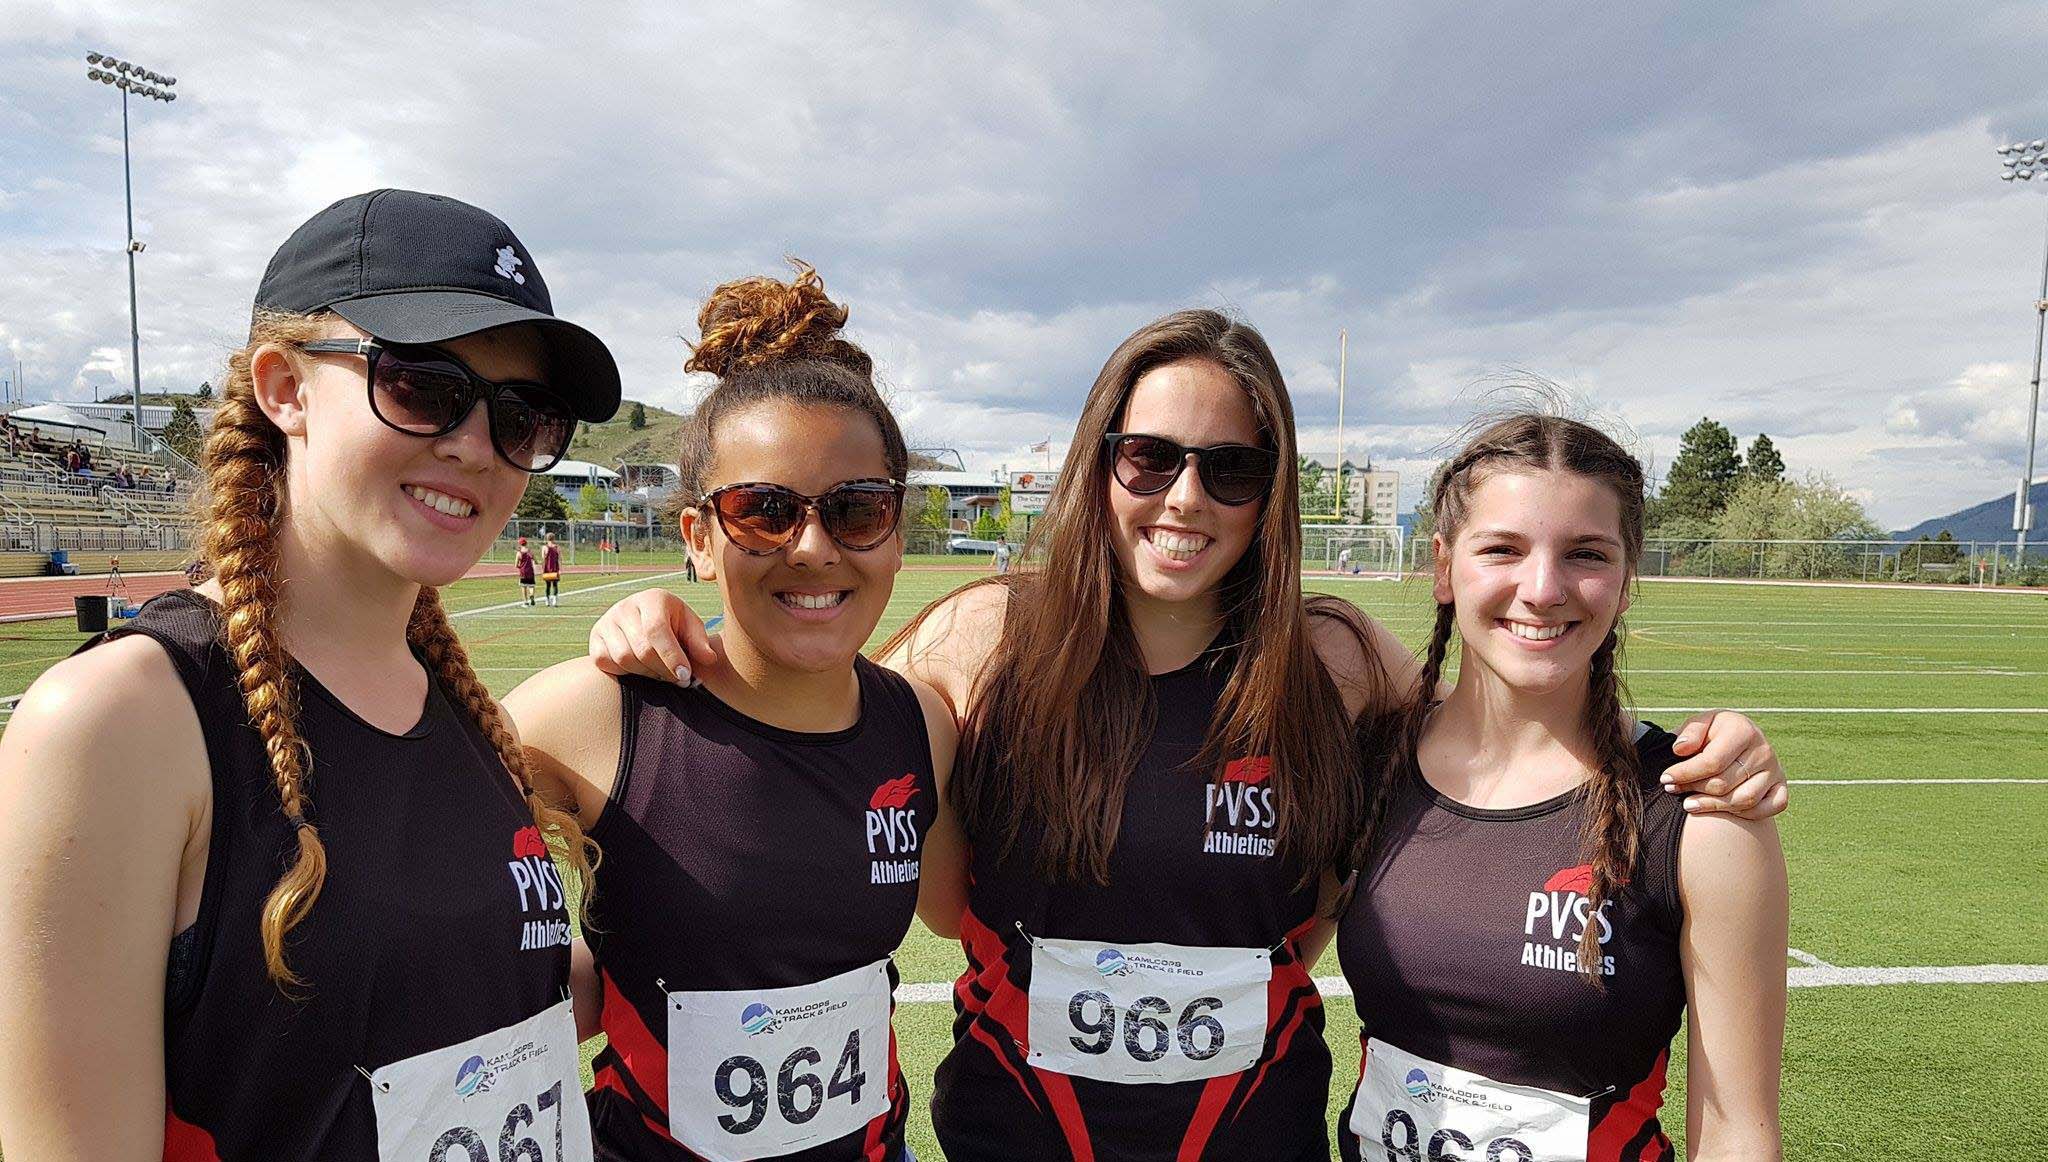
[(1146, 1036), (1410, 1148), (463, 1144), (741, 1082)]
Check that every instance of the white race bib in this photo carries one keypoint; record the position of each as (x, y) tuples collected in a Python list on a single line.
[(754, 1073), (1143, 1013), (512, 1094), (1418, 1111)]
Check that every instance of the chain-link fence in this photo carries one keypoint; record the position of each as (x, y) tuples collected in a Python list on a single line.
[(584, 541), (1931, 562)]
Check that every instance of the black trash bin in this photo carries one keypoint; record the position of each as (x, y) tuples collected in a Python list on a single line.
[(92, 613)]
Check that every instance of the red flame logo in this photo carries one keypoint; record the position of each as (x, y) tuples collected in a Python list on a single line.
[(1252, 770), (894, 793), (1575, 879), (527, 841)]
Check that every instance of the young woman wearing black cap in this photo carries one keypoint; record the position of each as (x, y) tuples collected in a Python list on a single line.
[(281, 887)]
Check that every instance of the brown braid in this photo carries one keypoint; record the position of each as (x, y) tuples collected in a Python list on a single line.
[(1611, 801), (244, 465), (430, 633)]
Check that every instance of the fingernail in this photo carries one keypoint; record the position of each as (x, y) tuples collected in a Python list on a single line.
[(1669, 785), (1691, 806)]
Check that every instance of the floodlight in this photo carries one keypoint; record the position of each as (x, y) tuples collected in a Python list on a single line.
[(92, 58)]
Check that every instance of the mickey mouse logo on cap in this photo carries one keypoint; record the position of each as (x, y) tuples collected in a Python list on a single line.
[(508, 265)]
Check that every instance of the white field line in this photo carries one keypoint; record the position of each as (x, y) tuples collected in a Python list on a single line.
[(1906, 782), (1980, 672), (643, 580), (1807, 958), (1853, 709), (1818, 975)]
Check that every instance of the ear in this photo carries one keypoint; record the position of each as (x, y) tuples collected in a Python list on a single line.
[(696, 526), (280, 388), (1440, 587)]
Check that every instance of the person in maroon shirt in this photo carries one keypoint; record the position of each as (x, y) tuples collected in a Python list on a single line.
[(1534, 1019)]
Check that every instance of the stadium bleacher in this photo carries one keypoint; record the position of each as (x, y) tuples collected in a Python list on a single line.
[(44, 506)]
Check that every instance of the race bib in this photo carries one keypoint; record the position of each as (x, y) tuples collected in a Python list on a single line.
[(1143, 1013), (509, 1096), (1419, 1111), (754, 1073)]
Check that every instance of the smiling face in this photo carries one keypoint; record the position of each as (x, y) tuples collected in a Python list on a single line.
[(810, 606), (422, 508), (1538, 573), (1176, 546)]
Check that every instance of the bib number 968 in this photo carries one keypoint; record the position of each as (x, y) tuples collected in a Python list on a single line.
[(463, 1144), (1411, 1148), (741, 1082), (1145, 1036)]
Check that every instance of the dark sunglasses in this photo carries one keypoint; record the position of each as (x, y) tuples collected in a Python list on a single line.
[(1231, 474), (764, 518), (424, 391)]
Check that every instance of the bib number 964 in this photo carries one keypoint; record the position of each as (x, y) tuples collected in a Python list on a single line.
[(1410, 1148), (464, 1144), (741, 1082), (1146, 1036)]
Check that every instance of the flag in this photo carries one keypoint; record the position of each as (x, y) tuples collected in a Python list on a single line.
[(1042, 446)]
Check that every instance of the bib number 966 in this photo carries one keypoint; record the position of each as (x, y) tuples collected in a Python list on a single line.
[(464, 1144), (1146, 1036), (741, 1082), (1410, 1147)]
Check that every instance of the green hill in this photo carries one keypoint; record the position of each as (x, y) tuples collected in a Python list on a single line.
[(617, 440)]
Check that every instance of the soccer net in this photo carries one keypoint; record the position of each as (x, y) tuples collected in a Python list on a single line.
[(1369, 551)]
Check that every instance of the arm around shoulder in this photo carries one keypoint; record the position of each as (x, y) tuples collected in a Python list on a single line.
[(105, 803), (1732, 947), (952, 641)]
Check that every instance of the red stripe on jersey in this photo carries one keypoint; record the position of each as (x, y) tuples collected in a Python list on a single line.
[(640, 1053), (1215, 1096), (1626, 1119), (899, 1093), (1290, 984), (988, 973), (1059, 1090), (185, 1142)]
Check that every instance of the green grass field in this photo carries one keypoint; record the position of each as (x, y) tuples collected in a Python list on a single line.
[(1854, 686)]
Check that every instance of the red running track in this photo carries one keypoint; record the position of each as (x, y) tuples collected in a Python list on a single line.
[(31, 598)]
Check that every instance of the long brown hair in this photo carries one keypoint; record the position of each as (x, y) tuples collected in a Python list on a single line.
[(1065, 706), (244, 462), (1610, 803), (771, 340)]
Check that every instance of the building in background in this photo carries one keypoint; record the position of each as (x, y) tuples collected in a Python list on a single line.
[(1372, 496)]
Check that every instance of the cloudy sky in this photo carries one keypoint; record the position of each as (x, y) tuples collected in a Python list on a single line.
[(1787, 217)]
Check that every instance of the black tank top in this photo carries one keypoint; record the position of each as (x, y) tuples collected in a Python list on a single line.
[(740, 856), (423, 935), (1491, 985), (1193, 865)]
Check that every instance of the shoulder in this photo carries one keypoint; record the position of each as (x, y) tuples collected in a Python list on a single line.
[(1362, 657), (1728, 861), (563, 697), (116, 716), (953, 640)]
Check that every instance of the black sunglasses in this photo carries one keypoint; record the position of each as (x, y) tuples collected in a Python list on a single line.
[(761, 519), (424, 391), (1231, 474)]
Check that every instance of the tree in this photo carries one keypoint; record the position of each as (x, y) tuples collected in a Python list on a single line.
[(541, 501), (592, 501), (1703, 476), (205, 390), (637, 418), (182, 432), (987, 527), (1762, 461), (1318, 495), (929, 505)]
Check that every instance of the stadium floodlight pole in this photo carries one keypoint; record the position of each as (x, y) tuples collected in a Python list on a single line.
[(1343, 360), (2024, 159), (131, 78)]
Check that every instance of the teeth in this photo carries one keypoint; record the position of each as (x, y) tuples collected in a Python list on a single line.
[(1178, 546), (814, 600), (435, 500), (1537, 633)]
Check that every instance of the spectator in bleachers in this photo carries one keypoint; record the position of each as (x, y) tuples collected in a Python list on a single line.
[(72, 463)]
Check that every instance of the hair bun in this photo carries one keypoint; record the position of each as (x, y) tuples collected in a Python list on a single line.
[(756, 320)]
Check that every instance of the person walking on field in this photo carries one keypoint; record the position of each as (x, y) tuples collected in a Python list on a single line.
[(525, 563), (1002, 556), (279, 886), (551, 569)]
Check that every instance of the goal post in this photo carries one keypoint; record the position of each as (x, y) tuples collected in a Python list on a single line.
[(1365, 551)]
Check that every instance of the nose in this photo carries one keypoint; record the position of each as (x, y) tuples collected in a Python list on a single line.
[(812, 547), (470, 443), (1187, 494), (1541, 581)]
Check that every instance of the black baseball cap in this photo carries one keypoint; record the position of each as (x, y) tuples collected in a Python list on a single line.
[(421, 268)]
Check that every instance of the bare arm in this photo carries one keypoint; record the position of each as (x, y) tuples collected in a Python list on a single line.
[(1732, 948), (942, 870), (652, 634), (105, 799), (953, 643), (567, 720)]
